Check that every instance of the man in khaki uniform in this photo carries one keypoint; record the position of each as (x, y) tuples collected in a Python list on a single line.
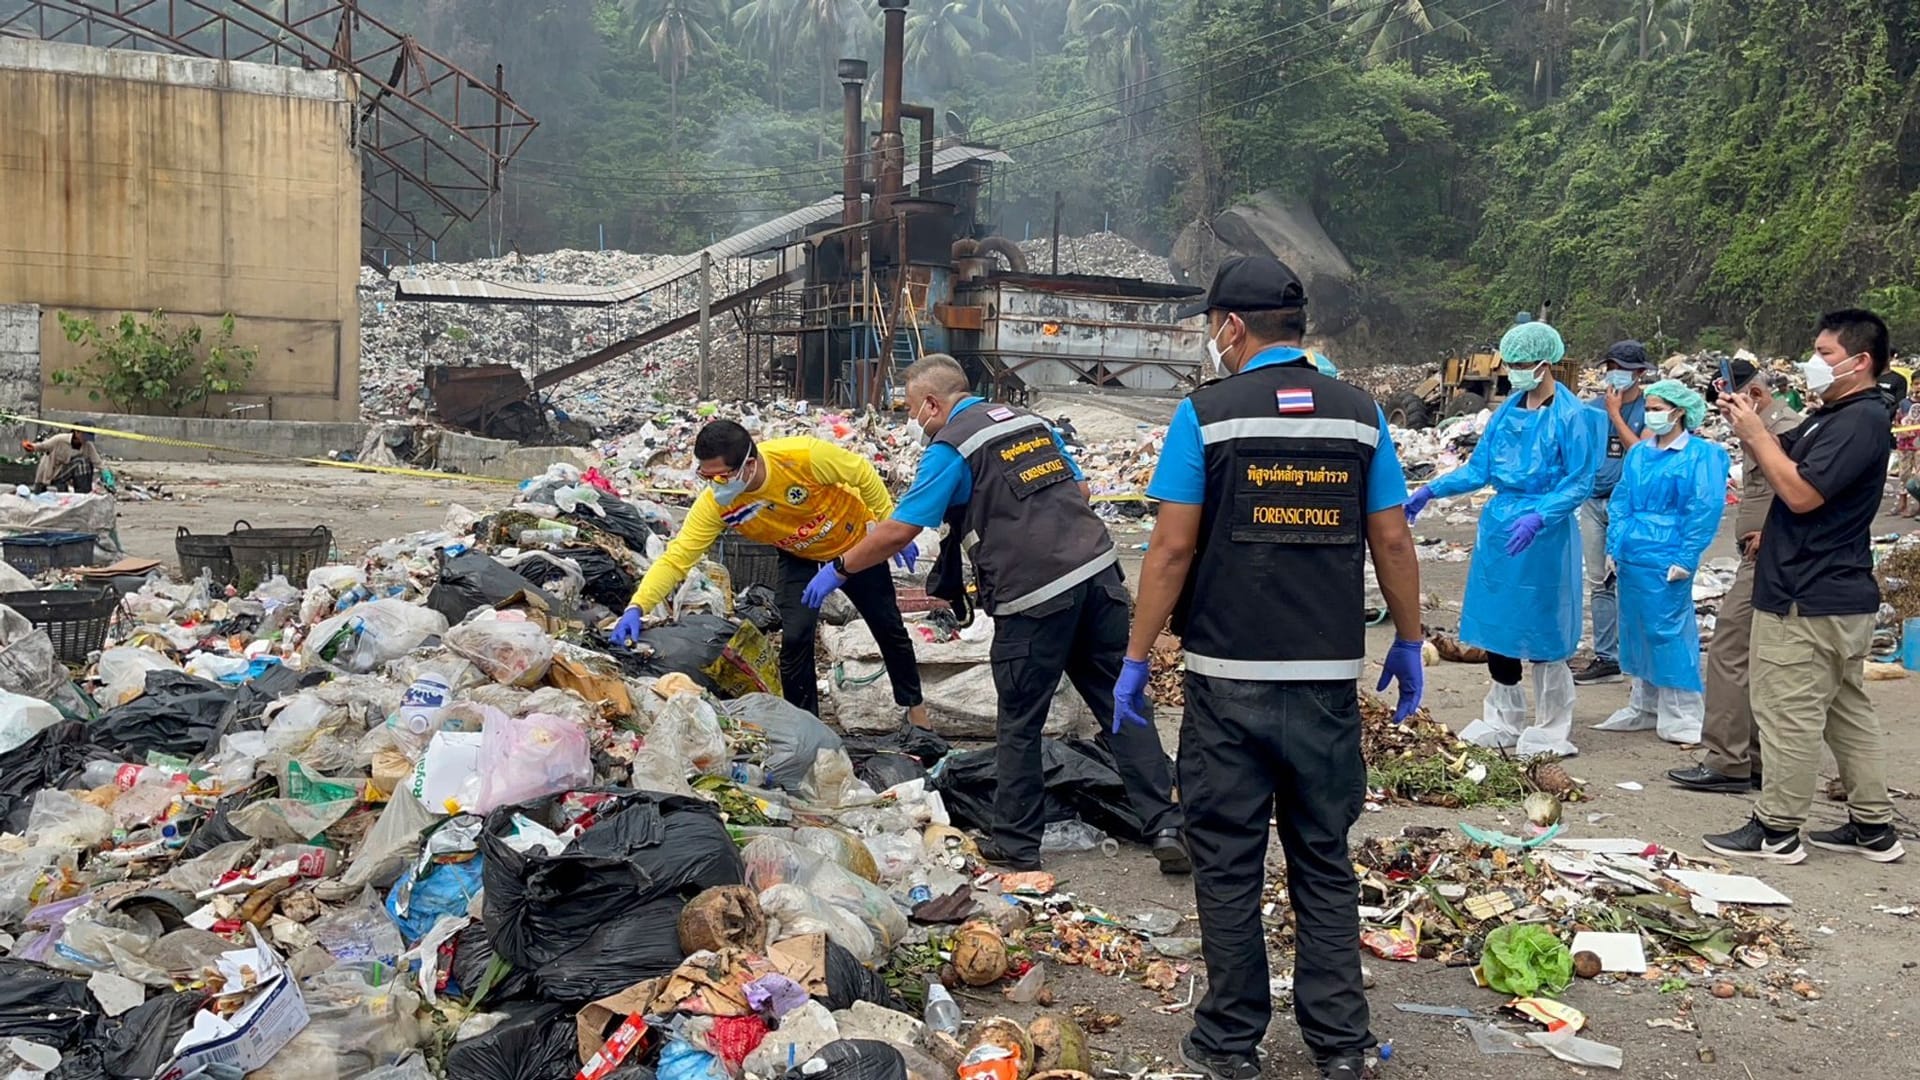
[(67, 463), (1732, 761), (1815, 601)]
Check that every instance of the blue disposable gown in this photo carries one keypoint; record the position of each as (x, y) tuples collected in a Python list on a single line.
[(1663, 514), (1542, 461)]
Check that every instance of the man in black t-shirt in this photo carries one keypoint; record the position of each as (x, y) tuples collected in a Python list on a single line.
[(1815, 600)]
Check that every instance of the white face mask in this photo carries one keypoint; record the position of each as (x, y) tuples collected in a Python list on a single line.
[(1659, 421), (1819, 373), (917, 431), (1218, 359)]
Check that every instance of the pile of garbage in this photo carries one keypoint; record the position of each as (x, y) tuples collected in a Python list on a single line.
[(1105, 254), (414, 815)]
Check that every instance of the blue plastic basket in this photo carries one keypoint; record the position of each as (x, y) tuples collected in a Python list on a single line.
[(35, 553)]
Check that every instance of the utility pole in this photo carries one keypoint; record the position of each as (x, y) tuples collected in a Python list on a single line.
[(706, 320), (1056, 232)]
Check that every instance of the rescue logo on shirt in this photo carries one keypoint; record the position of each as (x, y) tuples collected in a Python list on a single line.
[(1295, 500), (796, 495), (1293, 401), (1032, 461)]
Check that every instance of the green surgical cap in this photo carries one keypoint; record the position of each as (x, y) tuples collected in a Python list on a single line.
[(1532, 343), (1675, 393)]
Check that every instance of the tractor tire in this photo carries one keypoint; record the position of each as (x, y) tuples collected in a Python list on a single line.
[(1408, 410), (1465, 403)]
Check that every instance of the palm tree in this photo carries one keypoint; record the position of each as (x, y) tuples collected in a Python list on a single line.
[(836, 28), (941, 39), (1392, 29), (1120, 47), (673, 31), (1656, 28), (1004, 22), (767, 26)]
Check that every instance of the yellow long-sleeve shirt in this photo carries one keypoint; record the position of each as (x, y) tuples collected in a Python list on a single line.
[(816, 501)]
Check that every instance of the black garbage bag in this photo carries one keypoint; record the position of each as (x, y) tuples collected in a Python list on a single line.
[(852, 1059), (472, 955), (638, 945), (849, 980), (924, 746), (622, 519), (276, 682), (882, 771), (686, 646), (472, 581), (49, 759), (607, 583), (640, 847), (535, 1042), (1080, 779), (140, 1042), (176, 714), (217, 828), (45, 1006), (758, 605)]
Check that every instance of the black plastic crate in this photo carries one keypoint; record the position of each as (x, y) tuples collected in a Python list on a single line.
[(76, 619), (208, 552), (38, 552), (259, 554), (748, 562)]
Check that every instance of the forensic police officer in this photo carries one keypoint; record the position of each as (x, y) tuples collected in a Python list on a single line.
[(1016, 502), (1274, 483)]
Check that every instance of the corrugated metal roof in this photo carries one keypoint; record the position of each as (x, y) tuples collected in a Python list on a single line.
[(788, 228)]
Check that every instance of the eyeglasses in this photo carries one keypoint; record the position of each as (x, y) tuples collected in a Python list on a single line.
[(725, 475)]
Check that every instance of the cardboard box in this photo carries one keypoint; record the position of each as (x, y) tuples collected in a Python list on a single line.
[(252, 1036)]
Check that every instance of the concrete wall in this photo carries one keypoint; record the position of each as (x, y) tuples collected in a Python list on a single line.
[(281, 438), (136, 181), (19, 359)]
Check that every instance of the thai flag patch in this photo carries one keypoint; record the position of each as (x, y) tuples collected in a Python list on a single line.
[(1293, 401)]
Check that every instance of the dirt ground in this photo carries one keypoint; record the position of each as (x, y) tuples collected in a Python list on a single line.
[(1866, 964)]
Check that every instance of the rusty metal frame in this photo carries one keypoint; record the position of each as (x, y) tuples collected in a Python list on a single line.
[(434, 137)]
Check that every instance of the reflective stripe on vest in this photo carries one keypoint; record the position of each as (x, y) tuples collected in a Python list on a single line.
[(994, 431), (1058, 585), (1290, 427), (1275, 670)]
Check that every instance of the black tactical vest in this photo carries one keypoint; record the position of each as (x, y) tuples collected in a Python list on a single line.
[(1277, 589), (1028, 530)]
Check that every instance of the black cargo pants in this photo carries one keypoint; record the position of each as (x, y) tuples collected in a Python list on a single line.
[(1082, 634), (871, 591), (1289, 752)]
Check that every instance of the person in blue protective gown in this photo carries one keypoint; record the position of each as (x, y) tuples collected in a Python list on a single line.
[(1540, 453), (1662, 516)]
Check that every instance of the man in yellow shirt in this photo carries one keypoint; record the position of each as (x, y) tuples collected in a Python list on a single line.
[(813, 501)]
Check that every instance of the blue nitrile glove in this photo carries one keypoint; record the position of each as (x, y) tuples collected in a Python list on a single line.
[(1418, 501), (1404, 664), (1130, 694), (1525, 528), (825, 580), (907, 557), (627, 630)]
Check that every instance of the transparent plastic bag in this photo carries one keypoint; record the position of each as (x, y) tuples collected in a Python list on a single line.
[(689, 729), (59, 819), (832, 783), (850, 851), (511, 651), (792, 912), (123, 673), (895, 855), (523, 758), (354, 1025), (370, 635), (22, 717), (801, 1034)]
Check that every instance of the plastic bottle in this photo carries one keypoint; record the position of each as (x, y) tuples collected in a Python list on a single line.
[(310, 861), (99, 774), (943, 1013), (747, 774), (122, 775), (422, 704), (919, 891), (1027, 990), (542, 536)]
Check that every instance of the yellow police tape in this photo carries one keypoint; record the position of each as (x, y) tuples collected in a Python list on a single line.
[(189, 444)]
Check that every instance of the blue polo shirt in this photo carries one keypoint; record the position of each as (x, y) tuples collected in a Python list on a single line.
[(1614, 461), (943, 479), (1181, 476)]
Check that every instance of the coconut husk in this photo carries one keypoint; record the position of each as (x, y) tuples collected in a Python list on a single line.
[(725, 916), (1059, 1046), (980, 955)]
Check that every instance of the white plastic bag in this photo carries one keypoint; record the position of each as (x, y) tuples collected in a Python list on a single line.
[(792, 911), (123, 674), (368, 635), (688, 729), (510, 650), (60, 820), (523, 758), (22, 717)]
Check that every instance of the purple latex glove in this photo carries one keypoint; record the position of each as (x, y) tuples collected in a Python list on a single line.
[(825, 580), (908, 556), (627, 630), (1418, 501), (1525, 528), (1404, 665), (1130, 694)]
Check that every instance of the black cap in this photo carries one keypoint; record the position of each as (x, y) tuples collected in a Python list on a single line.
[(1250, 283), (1630, 355)]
